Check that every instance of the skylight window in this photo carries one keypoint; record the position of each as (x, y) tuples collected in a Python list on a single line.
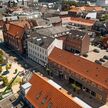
[(55, 35), (50, 105), (67, 32), (39, 39), (44, 100), (44, 37), (38, 95)]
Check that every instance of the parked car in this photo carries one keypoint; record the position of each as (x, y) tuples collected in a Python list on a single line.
[(98, 62), (105, 57), (85, 55), (102, 60), (96, 50)]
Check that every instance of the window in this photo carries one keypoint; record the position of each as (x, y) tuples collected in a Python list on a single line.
[(45, 52), (44, 100), (98, 96), (93, 93), (45, 58), (40, 56), (50, 105), (37, 48), (38, 96)]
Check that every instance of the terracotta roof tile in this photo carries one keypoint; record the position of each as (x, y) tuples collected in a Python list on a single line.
[(41, 89), (86, 8), (15, 30), (87, 69), (75, 9), (82, 21), (22, 23)]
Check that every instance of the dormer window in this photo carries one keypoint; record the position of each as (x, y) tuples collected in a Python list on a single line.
[(38, 95), (49, 105), (44, 100)]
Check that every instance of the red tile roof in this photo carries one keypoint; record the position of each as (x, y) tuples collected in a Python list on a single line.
[(87, 69), (93, 8), (15, 30), (82, 21), (86, 8), (22, 23), (41, 89), (75, 9)]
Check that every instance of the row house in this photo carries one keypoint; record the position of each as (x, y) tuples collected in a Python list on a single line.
[(39, 47), (45, 22), (84, 76), (14, 34), (54, 31), (77, 42), (42, 93), (81, 11), (78, 22)]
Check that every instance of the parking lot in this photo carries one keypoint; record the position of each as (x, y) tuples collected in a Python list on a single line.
[(92, 56)]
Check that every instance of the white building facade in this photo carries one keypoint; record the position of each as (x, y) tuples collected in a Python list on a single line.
[(40, 54), (102, 2)]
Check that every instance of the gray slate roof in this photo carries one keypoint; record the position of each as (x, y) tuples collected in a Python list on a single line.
[(54, 19), (50, 31), (42, 41), (78, 34)]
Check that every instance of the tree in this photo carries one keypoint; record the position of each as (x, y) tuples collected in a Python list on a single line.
[(22, 2), (1, 52), (14, 4), (5, 81), (0, 69), (1, 59), (9, 3), (16, 70), (7, 67), (104, 18)]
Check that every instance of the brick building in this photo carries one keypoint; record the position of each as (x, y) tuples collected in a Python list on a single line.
[(77, 11), (14, 34), (84, 76), (77, 42), (44, 22), (78, 22), (104, 41)]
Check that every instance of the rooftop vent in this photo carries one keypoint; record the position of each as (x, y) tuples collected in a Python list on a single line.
[(81, 36), (67, 32), (55, 35), (63, 33), (39, 39), (28, 36), (44, 37), (77, 35)]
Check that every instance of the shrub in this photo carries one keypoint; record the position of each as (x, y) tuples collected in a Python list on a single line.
[(5, 81), (0, 68)]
